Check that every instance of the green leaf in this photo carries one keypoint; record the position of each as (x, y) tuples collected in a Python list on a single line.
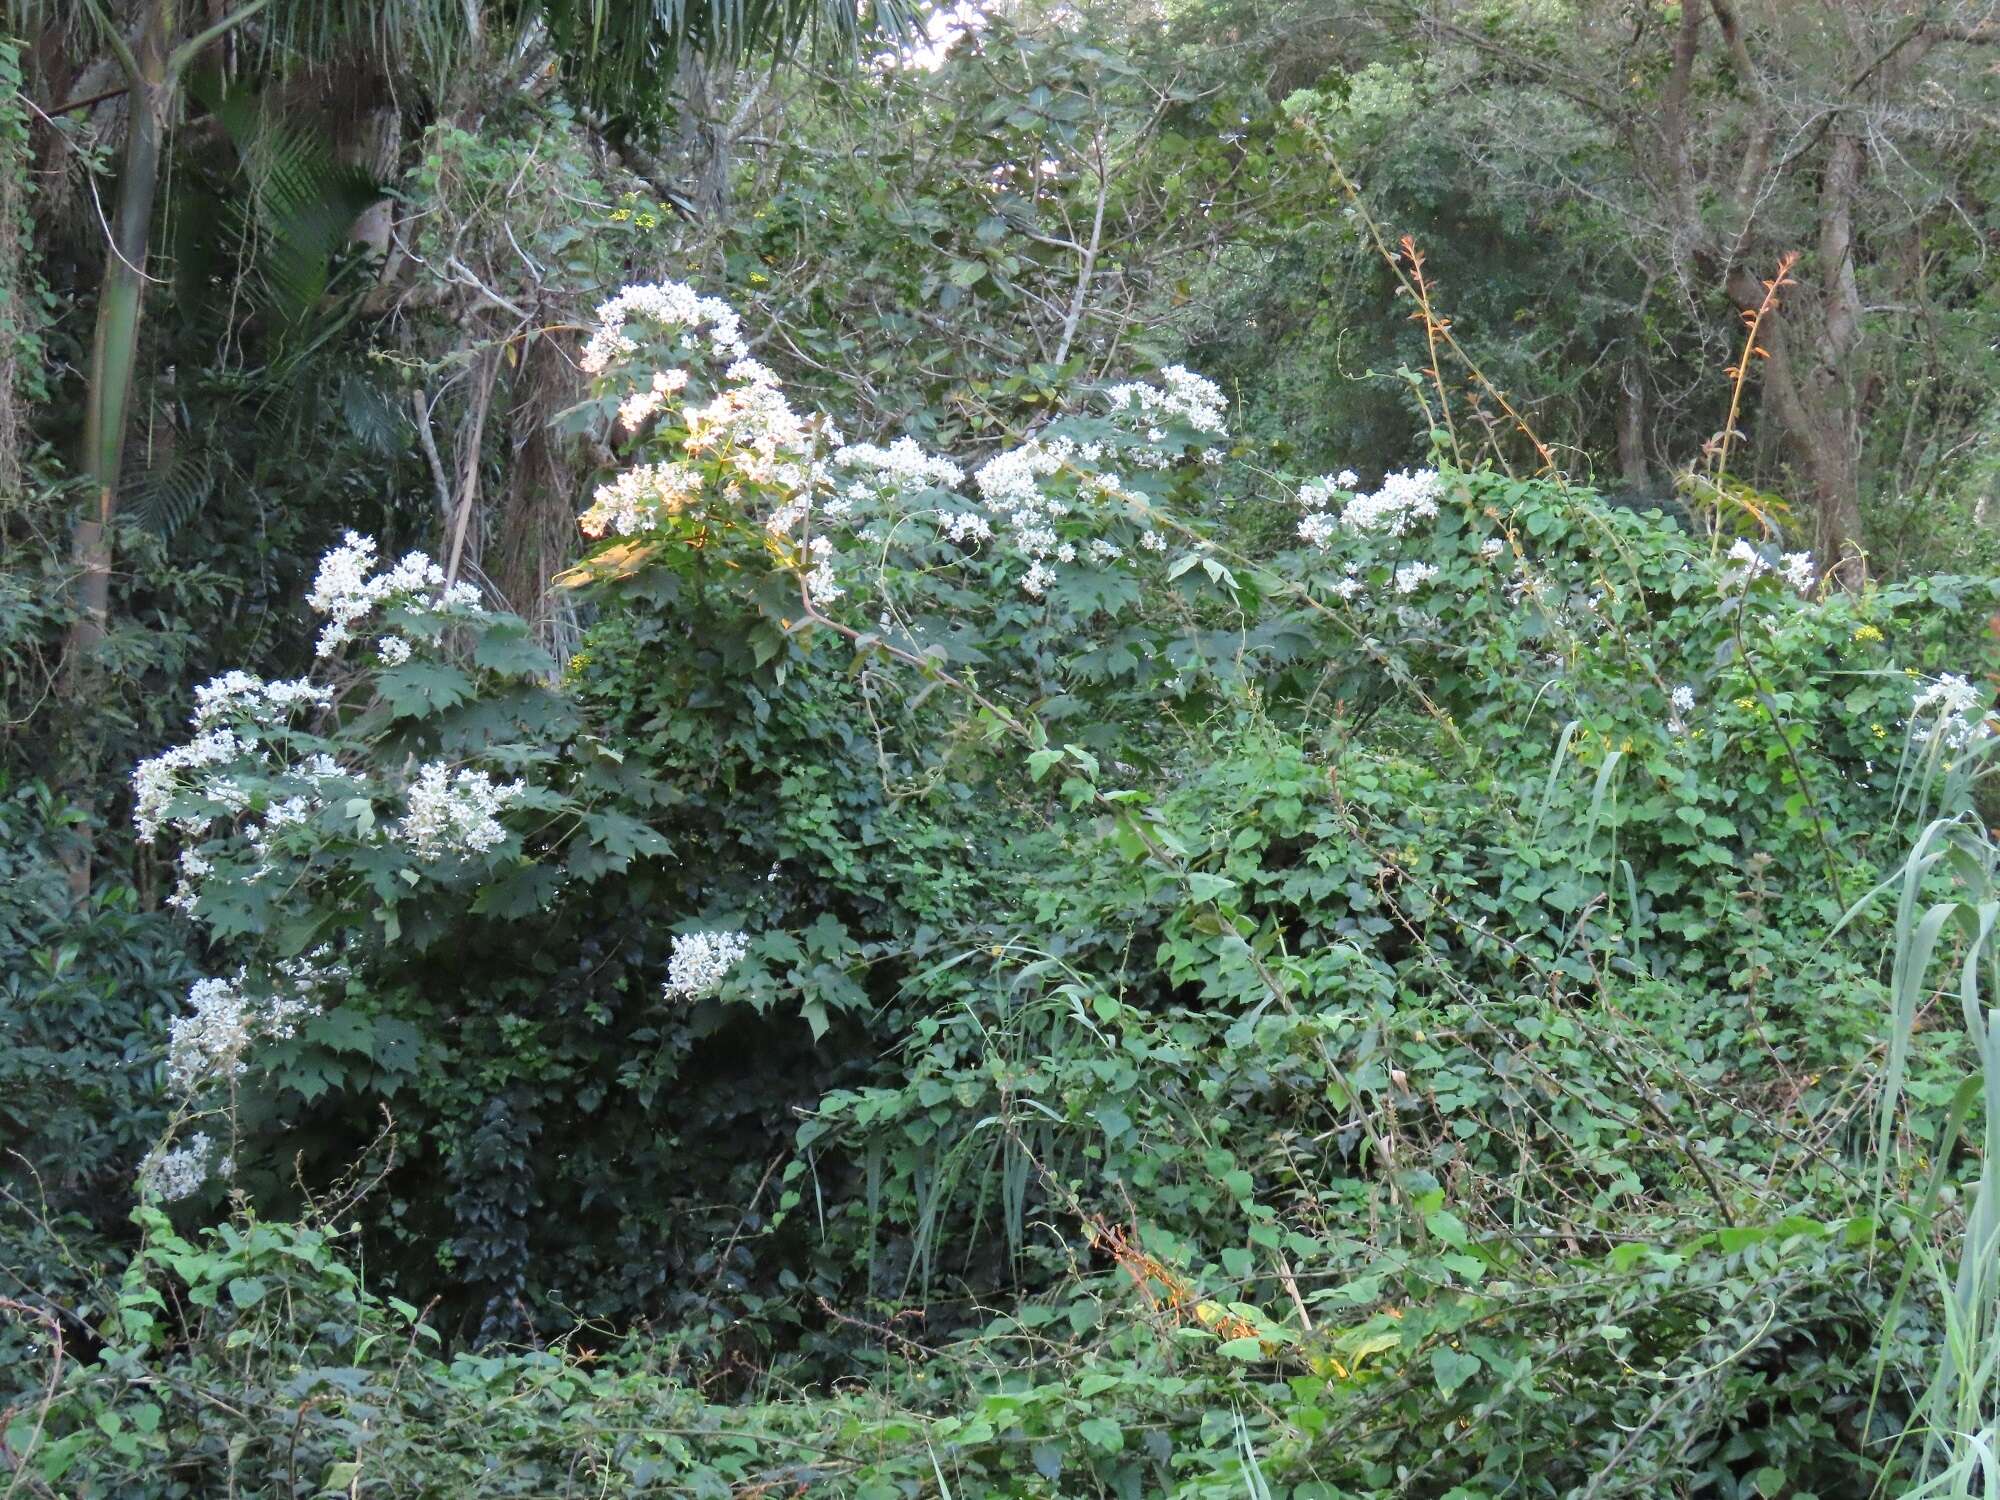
[(1448, 1227), (1452, 1368), (418, 689), (1205, 887), (507, 648), (814, 1011), (1102, 1433), (247, 1291)]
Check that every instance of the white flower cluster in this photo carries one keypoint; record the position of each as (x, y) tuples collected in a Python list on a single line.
[(1952, 704), (1332, 510), (821, 585), (751, 424), (963, 526), (1182, 396), (235, 780), (1318, 528), (1011, 484), (701, 961), (670, 306), (195, 770), (174, 1175), (156, 782), (1795, 568), (223, 1019), (639, 498), (454, 812), (639, 408), (1404, 498), (871, 477), (347, 589), (240, 694), (903, 465), (1680, 705), (1317, 495), (745, 447)]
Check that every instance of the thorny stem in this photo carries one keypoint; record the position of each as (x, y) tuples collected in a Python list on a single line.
[(1739, 373), (1433, 327)]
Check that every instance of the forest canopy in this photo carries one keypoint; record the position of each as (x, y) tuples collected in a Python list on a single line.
[(1196, 749)]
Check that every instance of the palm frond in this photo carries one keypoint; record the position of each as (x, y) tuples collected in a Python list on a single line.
[(620, 55), (166, 496), (301, 203)]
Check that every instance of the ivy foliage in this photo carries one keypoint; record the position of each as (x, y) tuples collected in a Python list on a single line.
[(1235, 971)]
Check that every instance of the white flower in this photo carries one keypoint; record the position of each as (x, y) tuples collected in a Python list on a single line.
[(1037, 579), (1683, 699), (223, 1019), (194, 867), (701, 961), (1412, 576), (1318, 529), (1405, 497), (1351, 587), (1182, 395), (174, 1175), (639, 498), (347, 589), (454, 813), (1955, 703), (1152, 541), (1318, 494), (964, 526), (243, 694), (1797, 569), (754, 427), (393, 650), (1347, 479), (156, 782), (903, 465), (639, 407), (821, 586), (673, 309), (1492, 547), (211, 1038)]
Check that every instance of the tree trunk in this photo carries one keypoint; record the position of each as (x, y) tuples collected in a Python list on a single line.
[(115, 347), (1632, 465)]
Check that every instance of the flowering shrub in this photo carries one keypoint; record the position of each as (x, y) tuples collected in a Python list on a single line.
[(721, 460), (1095, 832)]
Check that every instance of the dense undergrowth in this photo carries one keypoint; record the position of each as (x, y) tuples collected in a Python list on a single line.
[(1122, 973)]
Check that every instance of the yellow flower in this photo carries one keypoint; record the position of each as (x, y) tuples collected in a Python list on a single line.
[(1868, 633), (647, 221), (758, 278), (1746, 703), (1878, 731), (620, 215)]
